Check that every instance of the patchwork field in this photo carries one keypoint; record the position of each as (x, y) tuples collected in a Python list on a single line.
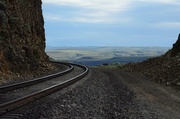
[(93, 56)]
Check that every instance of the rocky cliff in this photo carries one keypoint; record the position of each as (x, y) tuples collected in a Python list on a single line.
[(164, 69), (22, 38), (176, 48)]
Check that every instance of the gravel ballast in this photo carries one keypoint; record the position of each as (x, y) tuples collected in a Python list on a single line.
[(101, 95)]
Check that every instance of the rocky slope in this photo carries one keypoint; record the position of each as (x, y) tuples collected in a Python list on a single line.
[(164, 69), (22, 38)]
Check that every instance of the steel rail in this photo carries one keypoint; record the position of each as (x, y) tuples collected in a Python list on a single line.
[(10, 87), (43, 92)]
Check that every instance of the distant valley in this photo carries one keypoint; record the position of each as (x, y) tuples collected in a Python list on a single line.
[(93, 56)]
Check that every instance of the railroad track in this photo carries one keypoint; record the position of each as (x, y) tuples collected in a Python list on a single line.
[(15, 95), (10, 87)]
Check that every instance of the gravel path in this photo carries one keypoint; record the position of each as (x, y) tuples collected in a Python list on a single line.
[(152, 97), (103, 94)]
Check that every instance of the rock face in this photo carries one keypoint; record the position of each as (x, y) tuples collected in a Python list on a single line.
[(22, 37), (176, 47)]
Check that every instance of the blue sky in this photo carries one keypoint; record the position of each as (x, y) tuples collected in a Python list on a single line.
[(111, 22)]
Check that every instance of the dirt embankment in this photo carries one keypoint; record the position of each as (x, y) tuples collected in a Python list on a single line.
[(164, 69)]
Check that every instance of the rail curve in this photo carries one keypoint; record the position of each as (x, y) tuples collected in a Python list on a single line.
[(10, 87), (44, 92)]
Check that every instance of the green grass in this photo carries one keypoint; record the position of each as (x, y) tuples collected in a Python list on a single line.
[(102, 53), (110, 66)]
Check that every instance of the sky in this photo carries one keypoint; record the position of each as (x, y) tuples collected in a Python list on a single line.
[(75, 23)]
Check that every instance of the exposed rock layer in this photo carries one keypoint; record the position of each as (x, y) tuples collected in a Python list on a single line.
[(22, 38)]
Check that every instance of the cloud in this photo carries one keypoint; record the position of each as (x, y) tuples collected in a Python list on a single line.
[(168, 24), (52, 17), (82, 19), (95, 11), (98, 11), (102, 5), (175, 2)]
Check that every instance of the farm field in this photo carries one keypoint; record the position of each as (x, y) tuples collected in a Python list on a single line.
[(93, 56)]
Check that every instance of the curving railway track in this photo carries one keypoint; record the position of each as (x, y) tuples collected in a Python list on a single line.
[(18, 94), (15, 86)]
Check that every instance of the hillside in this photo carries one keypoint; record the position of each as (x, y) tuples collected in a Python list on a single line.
[(93, 56), (164, 69), (22, 39)]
